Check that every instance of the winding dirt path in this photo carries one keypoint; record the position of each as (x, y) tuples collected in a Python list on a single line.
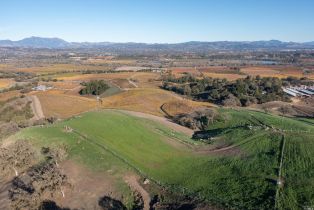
[(132, 181), (36, 107)]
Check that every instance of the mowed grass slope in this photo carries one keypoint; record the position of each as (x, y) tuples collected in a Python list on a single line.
[(241, 177)]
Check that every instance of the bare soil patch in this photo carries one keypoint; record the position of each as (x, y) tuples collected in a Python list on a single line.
[(86, 187)]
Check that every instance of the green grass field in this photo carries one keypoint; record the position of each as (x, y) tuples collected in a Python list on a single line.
[(243, 177)]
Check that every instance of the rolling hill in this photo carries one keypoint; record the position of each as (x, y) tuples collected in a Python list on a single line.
[(248, 154)]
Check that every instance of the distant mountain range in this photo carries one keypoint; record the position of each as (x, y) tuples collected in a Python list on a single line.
[(56, 43)]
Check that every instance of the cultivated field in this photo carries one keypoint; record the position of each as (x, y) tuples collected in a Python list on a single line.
[(58, 104), (60, 68), (242, 72), (147, 100)]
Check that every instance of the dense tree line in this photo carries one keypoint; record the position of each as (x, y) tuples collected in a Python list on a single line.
[(96, 87), (241, 92)]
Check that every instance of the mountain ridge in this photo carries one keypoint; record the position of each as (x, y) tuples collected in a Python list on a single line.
[(57, 43)]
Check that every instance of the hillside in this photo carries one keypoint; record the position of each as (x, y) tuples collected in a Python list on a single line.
[(238, 169)]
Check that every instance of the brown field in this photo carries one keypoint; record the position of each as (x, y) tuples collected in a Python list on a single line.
[(4, 67), (231, 74), (122, 83), (5, 83), (262, 71), (55, 68), (143, 79), (218, 70), (276, 71), (146, 80), (57, 104), (86, 77), (147, 100), (11, 94), (181, 70), (141, 100)]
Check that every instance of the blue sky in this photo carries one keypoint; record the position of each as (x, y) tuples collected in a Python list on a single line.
[(162, 21)]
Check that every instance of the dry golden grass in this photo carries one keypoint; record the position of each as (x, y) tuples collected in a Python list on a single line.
[(55, 68), (5, 83), (11, 94), (146, 79), (147, 100), (276, 71), (58, 104), (4, 67), (227, 73), (80, 77), (262, 71)]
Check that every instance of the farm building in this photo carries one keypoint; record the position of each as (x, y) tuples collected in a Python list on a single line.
[(303, 91), (41, 88)]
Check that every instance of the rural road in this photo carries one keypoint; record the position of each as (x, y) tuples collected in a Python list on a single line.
[(36, 107)]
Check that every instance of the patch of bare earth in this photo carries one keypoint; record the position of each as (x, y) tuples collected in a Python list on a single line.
[(86, 187)]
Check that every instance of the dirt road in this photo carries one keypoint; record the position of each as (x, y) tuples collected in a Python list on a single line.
[(36, 107), (135, 186)]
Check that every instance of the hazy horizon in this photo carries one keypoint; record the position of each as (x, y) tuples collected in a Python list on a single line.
[(69, 41), (158, 21)]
